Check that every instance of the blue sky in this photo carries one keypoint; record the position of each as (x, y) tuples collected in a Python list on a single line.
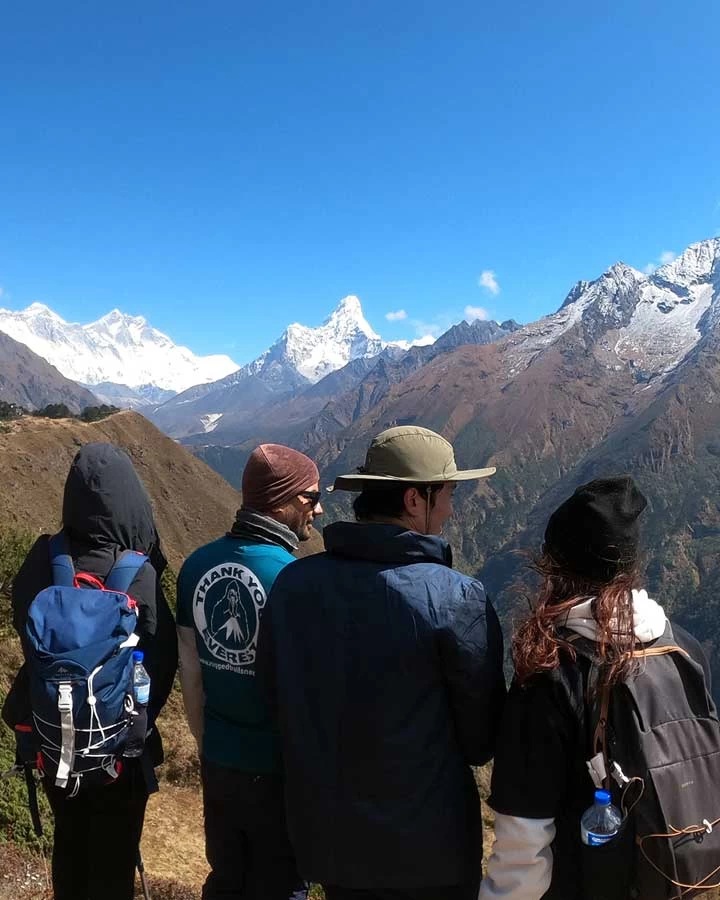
[(225, 168)]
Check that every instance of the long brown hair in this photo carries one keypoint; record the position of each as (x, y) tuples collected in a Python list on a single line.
[(537, 644)]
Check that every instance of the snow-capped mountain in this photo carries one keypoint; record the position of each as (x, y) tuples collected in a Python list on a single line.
[(315, 352), (648, 321), (117, 348)]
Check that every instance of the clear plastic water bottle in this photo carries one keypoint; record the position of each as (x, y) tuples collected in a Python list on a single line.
[(141, 680), (137, 729), (601, 822)]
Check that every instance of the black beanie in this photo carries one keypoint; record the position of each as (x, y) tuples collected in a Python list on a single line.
[(595, 533)]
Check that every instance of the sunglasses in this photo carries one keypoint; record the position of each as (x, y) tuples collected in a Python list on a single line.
[(313, 496)]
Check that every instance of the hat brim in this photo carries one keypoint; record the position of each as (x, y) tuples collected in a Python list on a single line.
[(357, 482)]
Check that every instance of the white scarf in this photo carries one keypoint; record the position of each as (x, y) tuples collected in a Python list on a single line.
[(649, 618)]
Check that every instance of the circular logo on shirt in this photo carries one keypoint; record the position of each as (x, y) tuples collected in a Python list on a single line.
[(226, 609)]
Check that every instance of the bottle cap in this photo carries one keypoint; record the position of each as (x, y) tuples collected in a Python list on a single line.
[(138, 656), (602, 798)]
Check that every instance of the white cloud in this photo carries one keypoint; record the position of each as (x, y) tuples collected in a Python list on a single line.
[(396, 316), (476, 312), (488, 281), (667, 256)]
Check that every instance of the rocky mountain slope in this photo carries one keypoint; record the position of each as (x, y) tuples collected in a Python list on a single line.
[(120, 349), (29, 381)]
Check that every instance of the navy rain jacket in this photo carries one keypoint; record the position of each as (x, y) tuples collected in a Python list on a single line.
[(384, 667)]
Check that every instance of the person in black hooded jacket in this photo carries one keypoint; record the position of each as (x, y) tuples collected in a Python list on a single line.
[(106, 511)]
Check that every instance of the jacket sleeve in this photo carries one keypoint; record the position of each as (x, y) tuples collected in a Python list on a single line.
[(520, 866), (471, 649), (191, 681), (158, 639)]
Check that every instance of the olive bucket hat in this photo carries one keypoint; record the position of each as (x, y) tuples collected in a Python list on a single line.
[(407, 453)]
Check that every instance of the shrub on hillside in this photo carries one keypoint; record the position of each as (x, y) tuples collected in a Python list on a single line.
[(96, 413), (10, 410), (54, 411)]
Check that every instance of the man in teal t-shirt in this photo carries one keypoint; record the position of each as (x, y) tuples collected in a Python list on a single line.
[(222, 590)]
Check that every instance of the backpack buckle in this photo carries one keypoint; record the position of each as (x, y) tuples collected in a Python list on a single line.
[(65, 698)]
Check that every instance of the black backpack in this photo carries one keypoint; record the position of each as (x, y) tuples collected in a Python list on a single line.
[(658, 736)]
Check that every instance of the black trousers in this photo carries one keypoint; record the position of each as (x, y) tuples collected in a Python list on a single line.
[(453, 892), (97, 835), (246, 839)]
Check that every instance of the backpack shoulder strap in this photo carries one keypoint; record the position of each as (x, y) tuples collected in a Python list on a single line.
[(123, 573), (597, 700), (63, 570)]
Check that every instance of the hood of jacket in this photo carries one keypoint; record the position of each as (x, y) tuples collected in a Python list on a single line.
[(649, 618), (105, 503), (385, 543)]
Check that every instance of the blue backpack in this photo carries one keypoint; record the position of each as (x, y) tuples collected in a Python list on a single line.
[(81, 634)]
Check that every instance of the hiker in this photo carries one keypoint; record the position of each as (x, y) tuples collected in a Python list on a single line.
[(384, 667), (596, 657), (222, 591), (106, 512)]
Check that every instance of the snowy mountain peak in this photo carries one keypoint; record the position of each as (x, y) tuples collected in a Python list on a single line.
[(623, 274), (315, 352), (348, 317), (117, 318), (117, 348), (696, 265), (37, 310)]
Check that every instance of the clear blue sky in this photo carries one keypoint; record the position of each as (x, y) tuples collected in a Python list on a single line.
[(224, 168)]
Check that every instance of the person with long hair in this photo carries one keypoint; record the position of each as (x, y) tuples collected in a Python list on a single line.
[(591, 589)]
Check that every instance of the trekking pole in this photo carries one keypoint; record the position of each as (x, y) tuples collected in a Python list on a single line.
[(141, 869)]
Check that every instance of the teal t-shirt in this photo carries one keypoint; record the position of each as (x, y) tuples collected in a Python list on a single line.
[(222, 591)]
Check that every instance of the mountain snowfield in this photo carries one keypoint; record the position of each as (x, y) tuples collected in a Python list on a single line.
[(117, 348)]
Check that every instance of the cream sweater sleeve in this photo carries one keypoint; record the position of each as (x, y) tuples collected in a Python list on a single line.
[(520, 866), (191, 681)]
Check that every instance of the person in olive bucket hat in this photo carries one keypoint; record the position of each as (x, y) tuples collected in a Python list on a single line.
[(384, 668)]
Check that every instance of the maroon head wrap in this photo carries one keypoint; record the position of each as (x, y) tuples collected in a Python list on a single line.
[(275, 474)]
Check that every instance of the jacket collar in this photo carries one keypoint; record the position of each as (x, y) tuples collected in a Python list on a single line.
[(379, 542)]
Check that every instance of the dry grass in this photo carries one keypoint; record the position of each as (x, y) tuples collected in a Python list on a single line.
[(173, 844)]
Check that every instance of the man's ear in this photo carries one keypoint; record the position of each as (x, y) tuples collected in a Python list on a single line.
[(411, 499)]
